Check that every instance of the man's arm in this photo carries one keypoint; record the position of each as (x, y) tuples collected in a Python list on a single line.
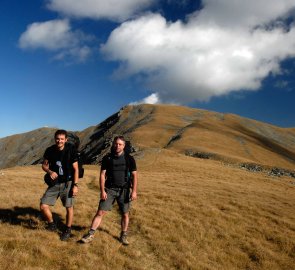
[(134, 185), (45, 166), (102, 179), (76, 178)]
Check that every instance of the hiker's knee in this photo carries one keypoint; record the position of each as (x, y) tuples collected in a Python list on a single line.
[(125, 215), (44, 207), (70, 210), (101, 213)]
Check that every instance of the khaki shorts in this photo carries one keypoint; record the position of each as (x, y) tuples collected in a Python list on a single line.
[(121, 195), (62, 190)]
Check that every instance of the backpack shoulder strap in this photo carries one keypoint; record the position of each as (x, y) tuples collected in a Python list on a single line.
[(109, 164), (127, 159), (127, 172), (67, 153)]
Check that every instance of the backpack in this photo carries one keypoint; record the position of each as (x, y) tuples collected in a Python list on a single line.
[(74, 141), (128, 175)]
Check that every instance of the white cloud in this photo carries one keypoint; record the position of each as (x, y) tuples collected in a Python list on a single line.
[(235, 13), (56, 35), (227, 46), (152, 99), (117, 10), (51, 35)]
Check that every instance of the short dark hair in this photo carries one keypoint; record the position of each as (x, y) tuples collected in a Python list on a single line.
[(61, 132), (120, 137)]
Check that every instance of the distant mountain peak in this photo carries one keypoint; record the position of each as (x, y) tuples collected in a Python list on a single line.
[(177, 128)]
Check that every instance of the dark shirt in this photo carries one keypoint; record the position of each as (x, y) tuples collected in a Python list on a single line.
[(61, 161), (118, 169)]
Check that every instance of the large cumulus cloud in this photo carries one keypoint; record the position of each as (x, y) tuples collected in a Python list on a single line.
[(227, 46)]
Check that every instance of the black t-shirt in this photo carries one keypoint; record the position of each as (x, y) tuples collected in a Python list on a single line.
[(117, 168), (61, 161)]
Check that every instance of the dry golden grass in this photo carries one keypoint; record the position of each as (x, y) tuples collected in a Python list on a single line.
[(190, 214)]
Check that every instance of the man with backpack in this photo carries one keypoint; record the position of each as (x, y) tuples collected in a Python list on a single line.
[(118, 181), (62, 173)]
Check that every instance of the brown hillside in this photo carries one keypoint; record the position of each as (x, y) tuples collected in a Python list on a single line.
[(26, 148), (221, 136), (194, 132)]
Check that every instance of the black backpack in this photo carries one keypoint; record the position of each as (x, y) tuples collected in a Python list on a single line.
[(74, 141)]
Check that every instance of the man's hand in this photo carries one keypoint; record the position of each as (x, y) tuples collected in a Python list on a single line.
[(53, 175), (133, 195), (103, 195), (75, 191)]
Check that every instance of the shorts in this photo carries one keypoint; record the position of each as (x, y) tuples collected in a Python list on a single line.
[(62, 190), (121, 195)]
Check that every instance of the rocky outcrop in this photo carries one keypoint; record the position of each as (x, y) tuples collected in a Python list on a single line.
[(28, 148)]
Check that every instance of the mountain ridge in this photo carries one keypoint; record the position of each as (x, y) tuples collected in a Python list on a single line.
[(188, 131)]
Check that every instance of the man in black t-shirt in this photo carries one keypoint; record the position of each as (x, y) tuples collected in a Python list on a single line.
[(117, 176), (61, 166)]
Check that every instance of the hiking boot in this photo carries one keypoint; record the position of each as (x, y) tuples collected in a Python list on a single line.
[(123, 238), (87, 238), (51, 227), (65, 235)]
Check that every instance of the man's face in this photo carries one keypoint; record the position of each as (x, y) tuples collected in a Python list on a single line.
[(118, 146), (60, 141)]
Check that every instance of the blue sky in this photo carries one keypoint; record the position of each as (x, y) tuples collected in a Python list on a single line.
[(71, 64)]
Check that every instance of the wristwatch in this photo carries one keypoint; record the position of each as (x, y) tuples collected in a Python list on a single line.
[(76, 184)]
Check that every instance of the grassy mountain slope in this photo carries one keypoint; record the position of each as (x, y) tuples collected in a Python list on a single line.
[(221, 136), (190, 214)]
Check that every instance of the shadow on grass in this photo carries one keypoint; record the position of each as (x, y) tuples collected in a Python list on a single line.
[(30, 218), (22, 216), (108, 232)]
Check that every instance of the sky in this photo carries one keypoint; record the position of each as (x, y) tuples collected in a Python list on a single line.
[(71, 64)]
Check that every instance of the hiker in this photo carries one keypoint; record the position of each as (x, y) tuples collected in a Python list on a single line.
[(118, 176), (61, 166)]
